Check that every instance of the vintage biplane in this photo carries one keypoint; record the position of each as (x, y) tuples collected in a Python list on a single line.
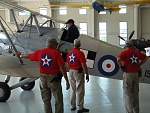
[(114, 6), (29, 37)]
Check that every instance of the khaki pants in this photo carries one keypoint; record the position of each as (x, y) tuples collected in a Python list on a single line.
[(131, 92), (46, 89), (76, 89)]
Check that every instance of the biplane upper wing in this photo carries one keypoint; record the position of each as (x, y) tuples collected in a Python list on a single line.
[(11, 5)]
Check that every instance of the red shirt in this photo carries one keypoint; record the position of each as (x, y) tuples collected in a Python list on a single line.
[(74, 58), (49, 60), (130, 58)]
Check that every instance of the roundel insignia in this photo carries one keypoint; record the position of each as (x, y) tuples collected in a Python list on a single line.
[(46, 60), (107, 65)]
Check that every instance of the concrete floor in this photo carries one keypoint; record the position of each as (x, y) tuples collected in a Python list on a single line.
[(102, 95)]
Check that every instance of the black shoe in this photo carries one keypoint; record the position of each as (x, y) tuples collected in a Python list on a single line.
[(83, 110), (73, 108)]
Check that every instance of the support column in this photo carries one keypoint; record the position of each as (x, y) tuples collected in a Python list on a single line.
[(135, 17)]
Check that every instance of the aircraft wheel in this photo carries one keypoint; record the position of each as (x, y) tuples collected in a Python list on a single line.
[(27, 86), (4, 92)]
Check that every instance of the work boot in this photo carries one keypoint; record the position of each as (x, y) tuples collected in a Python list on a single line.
[(74, 108)]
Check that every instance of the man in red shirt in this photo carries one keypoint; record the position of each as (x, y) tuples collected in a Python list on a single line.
[(51, 63), (130, 61), (77, 67)]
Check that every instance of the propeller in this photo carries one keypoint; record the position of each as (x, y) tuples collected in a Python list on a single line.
[(131, 35), (121, 37)]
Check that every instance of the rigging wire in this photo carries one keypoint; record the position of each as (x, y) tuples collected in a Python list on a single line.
[(88, 1), (30, 30)]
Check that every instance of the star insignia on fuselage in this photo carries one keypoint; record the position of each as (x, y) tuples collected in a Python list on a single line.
[(72, 57), (46, 60), (134, 59)]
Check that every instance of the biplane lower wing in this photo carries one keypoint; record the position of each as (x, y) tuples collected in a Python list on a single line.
[(10, 65)]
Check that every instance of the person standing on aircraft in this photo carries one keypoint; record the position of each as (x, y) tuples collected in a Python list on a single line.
[(98, 6), (77, 67), (130, 61), (73, 32), (51, 63)]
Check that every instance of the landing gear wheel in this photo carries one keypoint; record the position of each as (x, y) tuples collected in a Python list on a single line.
[(28, 86), (4, 92)]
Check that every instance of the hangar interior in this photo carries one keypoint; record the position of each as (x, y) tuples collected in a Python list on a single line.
[(102, 95)]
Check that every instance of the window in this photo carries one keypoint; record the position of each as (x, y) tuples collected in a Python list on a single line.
[(61, 25), (83, 28), (82, 11), (102, 31), (123, 9), (43, 10), (63, 11), (23, 13), (123, 32)]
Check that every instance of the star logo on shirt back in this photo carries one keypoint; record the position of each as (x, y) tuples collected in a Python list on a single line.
[(133, 59), (72, 57), (46, 60)]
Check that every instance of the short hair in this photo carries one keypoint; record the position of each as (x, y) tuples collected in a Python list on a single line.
[(128, 43), (51, 41), (77, 43), (70, 21)]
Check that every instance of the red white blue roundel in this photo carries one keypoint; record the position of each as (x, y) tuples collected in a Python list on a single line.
[(107, 65), (46, 60)]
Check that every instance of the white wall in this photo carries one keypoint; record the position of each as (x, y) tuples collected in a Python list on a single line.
[(113, 24), (73, 13), (145, 22), (93, 19)]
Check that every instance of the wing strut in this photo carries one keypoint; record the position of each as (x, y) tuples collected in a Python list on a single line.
[(1, 24), (18, 30), (26, 23), (37, 25)]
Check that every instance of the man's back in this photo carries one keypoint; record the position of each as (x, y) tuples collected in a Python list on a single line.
[(130, 58), (49, 60), (73, 33)]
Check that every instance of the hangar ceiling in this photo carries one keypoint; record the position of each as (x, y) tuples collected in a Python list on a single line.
[(72, 1)]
